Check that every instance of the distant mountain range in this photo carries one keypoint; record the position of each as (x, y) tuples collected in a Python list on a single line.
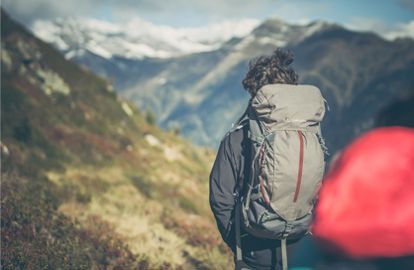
[(136, 39), (200, 92)]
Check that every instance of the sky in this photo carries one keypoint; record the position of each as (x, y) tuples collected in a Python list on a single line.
[(377, 15)]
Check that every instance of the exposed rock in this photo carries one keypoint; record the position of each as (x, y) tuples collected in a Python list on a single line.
[(127, 109), (152, 140), (52, 82), (6, 59), (4, 149), (172, 154)]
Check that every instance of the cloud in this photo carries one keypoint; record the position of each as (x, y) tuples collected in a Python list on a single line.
[(29, 11), (387, 31), (184, 13), (137, 38), (367, 24), (402, 30), (219, 7)]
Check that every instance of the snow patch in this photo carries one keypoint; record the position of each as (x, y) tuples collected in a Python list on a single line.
[(402, 31), (94, 48), (162, 81), (137, 38), (389, 32), (244, 42), (315, 27)]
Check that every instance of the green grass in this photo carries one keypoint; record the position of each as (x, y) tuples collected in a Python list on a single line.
[(144, 186), (35, 235), (81, 186), (188, 205)]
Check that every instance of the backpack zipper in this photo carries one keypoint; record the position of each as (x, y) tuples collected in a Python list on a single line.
[(300, 170)]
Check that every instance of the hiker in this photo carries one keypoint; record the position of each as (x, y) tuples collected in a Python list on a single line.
[(262, 161), (365, 213)]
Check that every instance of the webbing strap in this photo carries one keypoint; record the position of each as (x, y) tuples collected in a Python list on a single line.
[(240, 265), (300, 170), (237, 231), (284, 254)]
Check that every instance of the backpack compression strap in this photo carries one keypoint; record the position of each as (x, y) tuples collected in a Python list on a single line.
[(240, 265), (238, 236), (284, 254)]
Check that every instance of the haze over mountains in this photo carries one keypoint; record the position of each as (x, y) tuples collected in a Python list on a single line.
[(198, 90)]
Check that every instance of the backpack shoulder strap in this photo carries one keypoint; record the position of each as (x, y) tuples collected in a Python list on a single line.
[(237, 217), (242, 121)]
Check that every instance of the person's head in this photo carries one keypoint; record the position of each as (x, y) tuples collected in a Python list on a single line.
[(270, 69)]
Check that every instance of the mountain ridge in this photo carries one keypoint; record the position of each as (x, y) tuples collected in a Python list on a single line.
[(88, 180), (201, 93), (136, 39)]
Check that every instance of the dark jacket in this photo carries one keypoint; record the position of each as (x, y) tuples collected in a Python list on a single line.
[(226, 180)]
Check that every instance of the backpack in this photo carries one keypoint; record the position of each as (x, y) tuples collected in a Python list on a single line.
[(287, 163)]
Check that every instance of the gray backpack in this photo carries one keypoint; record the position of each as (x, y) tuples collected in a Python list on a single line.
[(287, 163)]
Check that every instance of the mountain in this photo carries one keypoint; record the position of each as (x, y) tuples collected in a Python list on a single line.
[(360, 75), (88, 180), (137, 38), (200, 93), (181, 96)]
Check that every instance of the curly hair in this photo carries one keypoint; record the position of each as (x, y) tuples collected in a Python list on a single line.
[(270, 70)]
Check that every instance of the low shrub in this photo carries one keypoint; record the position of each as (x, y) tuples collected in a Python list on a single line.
[(34, 235)]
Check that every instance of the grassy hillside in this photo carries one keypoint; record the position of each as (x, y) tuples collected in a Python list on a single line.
[(88, 182)]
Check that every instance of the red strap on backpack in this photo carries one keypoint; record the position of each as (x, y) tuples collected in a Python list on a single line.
[(300, 170)]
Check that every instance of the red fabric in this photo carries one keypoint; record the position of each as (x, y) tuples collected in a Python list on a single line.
[(366, 203), (299, 178)]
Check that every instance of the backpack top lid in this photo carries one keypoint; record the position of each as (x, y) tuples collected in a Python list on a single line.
[(288, 106)]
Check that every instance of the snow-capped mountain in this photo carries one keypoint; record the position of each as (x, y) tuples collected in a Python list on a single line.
[(199, 90), (194, 91), (136, 39)]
